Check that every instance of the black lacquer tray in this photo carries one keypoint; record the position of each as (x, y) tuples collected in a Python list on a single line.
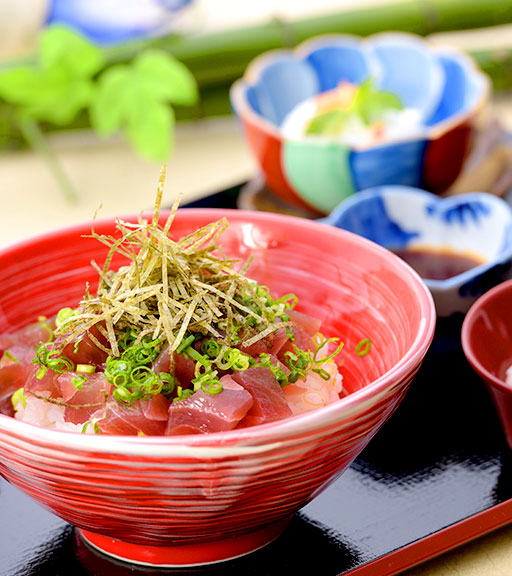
[(437, 474)]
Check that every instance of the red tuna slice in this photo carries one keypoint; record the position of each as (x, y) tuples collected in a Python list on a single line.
[(85, 401), (32, 335), (12, 377), (19, 354), (131, 420), (269, 401), (86, 351), (95, 388), (161, 364), (14, 374), (204, 413), (269, 345), (156, 408), (304, 329), (46, 386), (309, 324), (184, 367)]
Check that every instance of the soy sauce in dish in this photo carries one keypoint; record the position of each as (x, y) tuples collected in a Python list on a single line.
[(435, 263)]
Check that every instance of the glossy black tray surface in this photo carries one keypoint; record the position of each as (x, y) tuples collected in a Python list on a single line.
[(440, 461)]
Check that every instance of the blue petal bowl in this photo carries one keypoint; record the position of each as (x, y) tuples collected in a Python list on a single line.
[(443, 87), (405, 218)]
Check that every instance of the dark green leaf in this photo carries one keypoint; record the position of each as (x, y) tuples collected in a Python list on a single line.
[(166, 77)]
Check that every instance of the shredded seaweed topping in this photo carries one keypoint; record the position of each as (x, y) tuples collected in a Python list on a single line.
[(171, 289)]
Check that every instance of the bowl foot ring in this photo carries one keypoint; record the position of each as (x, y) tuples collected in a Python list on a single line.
[(185, 555)]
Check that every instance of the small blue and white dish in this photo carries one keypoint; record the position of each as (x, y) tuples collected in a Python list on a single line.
[(441, 92), (460, 245)]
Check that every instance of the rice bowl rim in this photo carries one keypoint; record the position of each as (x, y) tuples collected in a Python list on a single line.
[(261, 438)]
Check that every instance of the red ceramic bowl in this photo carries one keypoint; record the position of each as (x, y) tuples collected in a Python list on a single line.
[(487, 344), (204, 498)]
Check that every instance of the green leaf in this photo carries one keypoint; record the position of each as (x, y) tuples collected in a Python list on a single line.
[(150, 128), (329, 123), (60, 104), (60, 84), (112, 101), (64, 48), (166, 78), (372, 104), (18, 84)]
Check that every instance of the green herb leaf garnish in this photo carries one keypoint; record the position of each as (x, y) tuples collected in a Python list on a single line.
[(368, 107)]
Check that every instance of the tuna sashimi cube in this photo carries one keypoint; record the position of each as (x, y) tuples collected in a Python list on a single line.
[(269, 401), (305, 322), (121, 419), (202, 412), (46, 386), (83, 402), (85, 350), (184, 367), (269, 345), (304, 329), (32, 335), (12, 377), (156, 408)]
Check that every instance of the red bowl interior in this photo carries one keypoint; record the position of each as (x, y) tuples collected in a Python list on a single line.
[(487, 344), (356, 288)]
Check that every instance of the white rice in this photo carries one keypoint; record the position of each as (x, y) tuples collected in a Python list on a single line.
[(398, 124), (42, 413)]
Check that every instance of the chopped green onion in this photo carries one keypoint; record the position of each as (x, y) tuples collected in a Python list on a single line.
[(212, 387), (86, 368), (182, 393), (17, 399), (78, 381), (86, 425), (49, 358), (185, 343), (11, 357), (363, 347), (211, 348), (63, 315), (279, 374), (330, 356), (322, 372), (168, 383)]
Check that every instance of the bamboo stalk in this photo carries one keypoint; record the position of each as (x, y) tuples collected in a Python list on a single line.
[(218, 59)]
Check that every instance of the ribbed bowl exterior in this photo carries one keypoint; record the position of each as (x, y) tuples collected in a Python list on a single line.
[(166, 490)]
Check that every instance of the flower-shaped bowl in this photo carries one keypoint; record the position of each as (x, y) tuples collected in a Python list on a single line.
[(203, 498), (487, 344), (441, 87), (477, 227)]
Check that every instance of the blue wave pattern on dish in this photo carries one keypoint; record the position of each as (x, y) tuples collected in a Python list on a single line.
[(400, 217), (473, 211), (371, 220)]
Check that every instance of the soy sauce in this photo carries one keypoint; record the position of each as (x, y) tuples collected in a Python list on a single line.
[(438, 263)]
